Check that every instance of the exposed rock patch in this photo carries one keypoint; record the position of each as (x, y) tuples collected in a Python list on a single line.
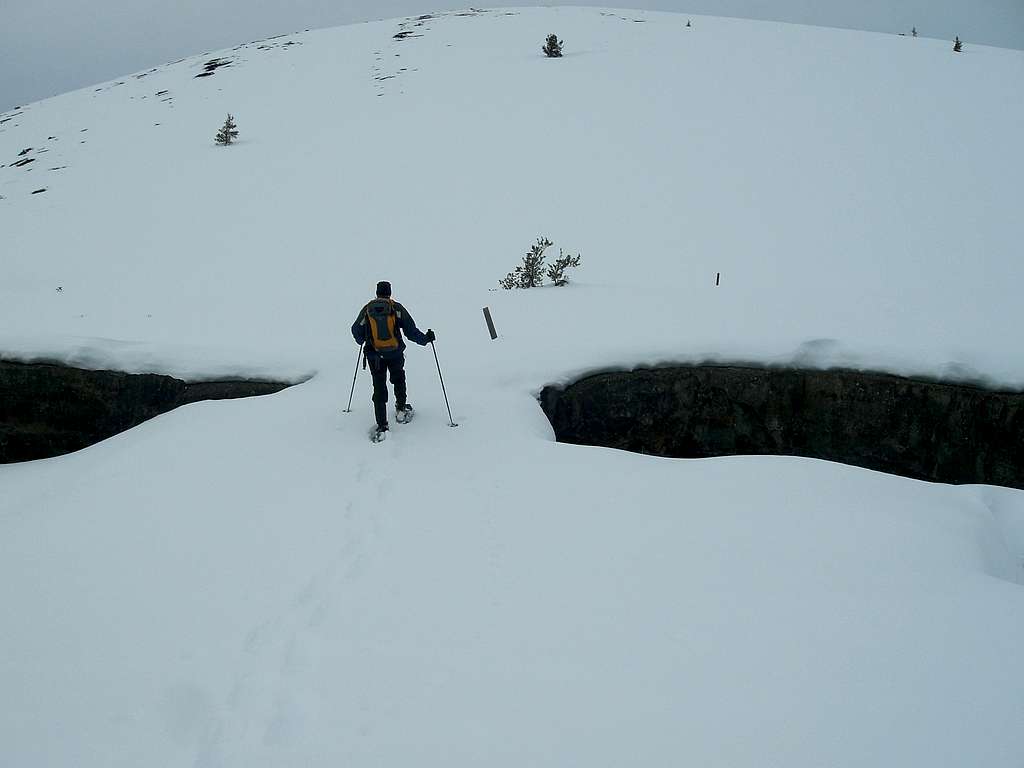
[(921, 429), (49, 410), (213, 65)]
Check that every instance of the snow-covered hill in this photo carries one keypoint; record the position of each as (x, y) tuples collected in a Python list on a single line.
[(252, 583)]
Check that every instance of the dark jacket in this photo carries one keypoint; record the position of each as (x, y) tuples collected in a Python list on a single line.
[(403, 322)]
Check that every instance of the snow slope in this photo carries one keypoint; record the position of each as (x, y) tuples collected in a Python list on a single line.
[(251, 583)]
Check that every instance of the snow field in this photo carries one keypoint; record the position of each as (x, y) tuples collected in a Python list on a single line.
[(251, 583)]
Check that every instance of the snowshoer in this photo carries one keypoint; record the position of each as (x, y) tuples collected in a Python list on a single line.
[(378, 328)]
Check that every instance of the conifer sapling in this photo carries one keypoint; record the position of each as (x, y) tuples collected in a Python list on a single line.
[(556, 272), (552, 47), (530, 273), (228, 132)]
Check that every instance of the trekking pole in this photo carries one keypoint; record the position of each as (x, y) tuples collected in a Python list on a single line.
[(450, 419), (358, 355)]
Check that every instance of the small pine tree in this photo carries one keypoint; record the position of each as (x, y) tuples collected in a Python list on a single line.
[(556, 272), (957, 45), (529, 274), (552, 47), (228, 132), (688, 24), (913, 32)]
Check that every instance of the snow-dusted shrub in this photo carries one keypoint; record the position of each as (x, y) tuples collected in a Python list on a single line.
[(228, 132), (957, 45), (530, 273), (556, 272), (552, 47)]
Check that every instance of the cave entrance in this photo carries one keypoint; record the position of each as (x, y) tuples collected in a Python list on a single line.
[(926, 430)]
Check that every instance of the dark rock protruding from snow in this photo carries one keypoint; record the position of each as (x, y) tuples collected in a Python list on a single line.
[(926, 430), (213, 65), (49, 410)]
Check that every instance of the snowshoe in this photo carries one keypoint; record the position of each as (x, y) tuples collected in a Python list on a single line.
[(378, 434), (404, 414)]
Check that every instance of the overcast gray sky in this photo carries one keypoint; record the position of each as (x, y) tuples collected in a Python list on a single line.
[(52, 46)]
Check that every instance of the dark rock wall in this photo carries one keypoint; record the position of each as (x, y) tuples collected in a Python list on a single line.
[(920, 429), (50, 410)]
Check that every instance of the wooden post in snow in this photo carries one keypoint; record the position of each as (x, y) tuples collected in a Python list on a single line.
[(490, 323)]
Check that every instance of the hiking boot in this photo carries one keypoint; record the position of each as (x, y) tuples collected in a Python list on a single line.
[(403, 413)]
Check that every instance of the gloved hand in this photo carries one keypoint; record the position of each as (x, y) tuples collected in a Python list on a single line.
[(430, 336)]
